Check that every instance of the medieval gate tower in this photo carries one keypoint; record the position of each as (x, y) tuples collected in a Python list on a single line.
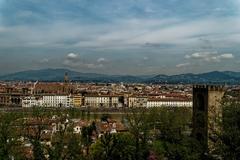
[(207, 113)]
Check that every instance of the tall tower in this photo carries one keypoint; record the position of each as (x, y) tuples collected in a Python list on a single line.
[(66, 83), (66, 79), (207, 113)]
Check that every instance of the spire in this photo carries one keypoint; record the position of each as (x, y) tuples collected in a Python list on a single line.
[(66, 79)]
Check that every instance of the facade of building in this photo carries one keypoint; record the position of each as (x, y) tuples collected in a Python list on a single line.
[(169, 103), (137, 101), (56, 101), (31, 101), (103, 101), (77, 100), (14, 100), (117, 101), (5, 99), (97, 101)]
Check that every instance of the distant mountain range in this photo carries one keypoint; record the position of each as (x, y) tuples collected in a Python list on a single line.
[(215, 77)]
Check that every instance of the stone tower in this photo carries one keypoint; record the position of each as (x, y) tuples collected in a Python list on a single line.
[(66, 79), (66, 83), (207, 113)]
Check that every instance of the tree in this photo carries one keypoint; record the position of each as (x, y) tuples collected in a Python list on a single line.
[(229, 138), (9, 143), (64, 143), (74, 149), (139, 123), (86, 136), (33, 129), (172, 138), (113, 147), (57, 149)]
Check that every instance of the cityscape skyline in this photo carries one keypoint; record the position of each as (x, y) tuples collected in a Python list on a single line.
[(137, 37)]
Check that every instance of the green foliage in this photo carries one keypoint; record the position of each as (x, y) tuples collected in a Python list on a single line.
[(158, 148), (65, 146), (8, 136), (162, 132), (74, 149), (56, 151), (172, 134), (86, 136), (38, 152), (186, 149), (229, 144), (173, 123), (139, 123), (113, 147)]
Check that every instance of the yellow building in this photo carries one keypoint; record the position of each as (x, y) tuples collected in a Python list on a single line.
[(77, 101)]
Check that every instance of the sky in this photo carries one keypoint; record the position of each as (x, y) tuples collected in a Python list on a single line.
[(135, 37)]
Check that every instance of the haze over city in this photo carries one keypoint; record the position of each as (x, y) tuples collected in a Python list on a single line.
[(120, 37)]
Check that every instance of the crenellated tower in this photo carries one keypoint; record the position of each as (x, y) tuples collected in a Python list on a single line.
[(207, 113)]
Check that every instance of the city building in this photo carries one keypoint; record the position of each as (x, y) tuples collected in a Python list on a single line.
[(97, 101), (31, 101), (56, 101), (104, 101), (77, 100), (137, 101), (163, 102)]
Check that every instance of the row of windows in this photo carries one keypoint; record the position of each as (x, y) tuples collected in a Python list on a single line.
[(170, 104)]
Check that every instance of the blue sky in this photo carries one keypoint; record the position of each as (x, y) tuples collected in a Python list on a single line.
[(120, 37)]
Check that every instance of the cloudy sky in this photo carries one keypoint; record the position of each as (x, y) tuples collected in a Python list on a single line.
[(120, 36)]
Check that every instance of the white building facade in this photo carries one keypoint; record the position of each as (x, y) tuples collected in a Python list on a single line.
[(102, 101), (97, 101), (57, 101), (168, 103), (31, 101)]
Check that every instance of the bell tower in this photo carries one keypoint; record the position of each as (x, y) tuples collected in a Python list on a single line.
[(66, 79), (66, 83), (207, 113)]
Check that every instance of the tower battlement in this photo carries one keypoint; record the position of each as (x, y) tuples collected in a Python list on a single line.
[(210, 87)]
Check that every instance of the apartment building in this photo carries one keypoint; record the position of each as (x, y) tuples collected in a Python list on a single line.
[(137, 101), (97, 101), (104, 101), (160, 102), (31, 101), (57, 101), (77, 100)]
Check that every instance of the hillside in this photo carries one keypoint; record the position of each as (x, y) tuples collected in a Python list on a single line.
[(216, 77)]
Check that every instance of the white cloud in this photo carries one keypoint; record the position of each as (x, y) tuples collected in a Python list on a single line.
[(209, 56), (182, 65), (94, 66), (100, 60), (73, 60), (129, 34), (72, 55), (227, 56), (124, 33), (44, 60)]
